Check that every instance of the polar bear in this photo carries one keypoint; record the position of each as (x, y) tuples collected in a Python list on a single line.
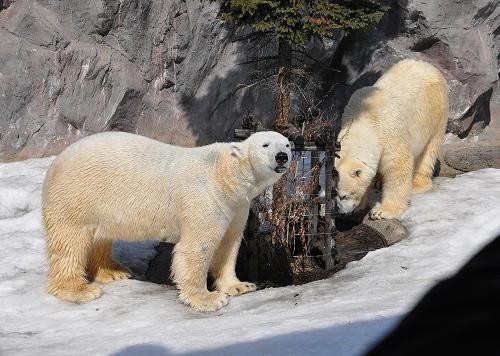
[(117, 185), (392, 130)]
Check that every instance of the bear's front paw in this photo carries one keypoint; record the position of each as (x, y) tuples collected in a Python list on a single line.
[(76, 292), (206, 301), (379, 213), (239, 288)]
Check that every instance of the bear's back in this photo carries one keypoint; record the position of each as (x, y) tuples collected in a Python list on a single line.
[(411, 76), (409, 90), (108, 171)]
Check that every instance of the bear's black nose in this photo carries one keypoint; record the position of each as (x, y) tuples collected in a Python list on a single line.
[(281, 158)]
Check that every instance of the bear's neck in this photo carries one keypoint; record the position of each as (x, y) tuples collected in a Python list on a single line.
[(359, 140), (236, 180)]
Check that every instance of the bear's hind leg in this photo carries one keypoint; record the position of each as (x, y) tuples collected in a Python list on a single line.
[(100, 265), (68, 250), (424, 165)]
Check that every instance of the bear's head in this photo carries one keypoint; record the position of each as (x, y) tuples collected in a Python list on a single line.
[(268, 153), (355, 177)]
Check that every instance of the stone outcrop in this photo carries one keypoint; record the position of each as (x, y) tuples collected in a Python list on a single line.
[(168, 69), (165, 69), (462, 39)]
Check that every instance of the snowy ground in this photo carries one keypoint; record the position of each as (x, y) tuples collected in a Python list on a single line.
[(339, 316)]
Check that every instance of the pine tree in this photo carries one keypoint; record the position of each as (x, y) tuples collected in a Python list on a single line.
[(294, 23)]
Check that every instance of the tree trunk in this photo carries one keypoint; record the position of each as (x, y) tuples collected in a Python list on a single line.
[(283, 84), (281, 120), (330, 248), (313, 226)]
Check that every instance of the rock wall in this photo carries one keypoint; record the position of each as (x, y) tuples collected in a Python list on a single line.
[(165, 69), (460, 37), (168, 69)]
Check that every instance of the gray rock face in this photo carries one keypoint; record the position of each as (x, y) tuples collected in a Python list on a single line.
[(468, 158), (165, 69), (460, 37)]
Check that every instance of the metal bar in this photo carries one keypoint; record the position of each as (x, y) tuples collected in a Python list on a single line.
[(330, 244)]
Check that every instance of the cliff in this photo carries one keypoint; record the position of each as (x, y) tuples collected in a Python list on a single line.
[(169, 70)]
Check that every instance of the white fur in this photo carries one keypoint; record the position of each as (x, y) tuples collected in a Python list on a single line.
[(122, 186), (392, 129)]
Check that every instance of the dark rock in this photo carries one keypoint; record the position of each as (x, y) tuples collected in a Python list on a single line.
[(135, 256), (391, 231), (355, 243), (475, 119), (159, 270), (261, 262), (267, 265), (473, 157)]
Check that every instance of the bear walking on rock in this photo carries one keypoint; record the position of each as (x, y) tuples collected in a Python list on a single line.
[(392, 130), (117, 185)]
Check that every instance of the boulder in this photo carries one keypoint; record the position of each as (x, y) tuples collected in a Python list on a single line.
[(391, 231), (470, 157)]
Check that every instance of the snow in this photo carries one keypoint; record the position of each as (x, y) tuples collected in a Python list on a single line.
[(342, 315)]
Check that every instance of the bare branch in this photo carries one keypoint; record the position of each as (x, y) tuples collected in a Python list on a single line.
[(307, 55), (259, 42), (253, 35), (246, 86), (307, 100), (256, 60)]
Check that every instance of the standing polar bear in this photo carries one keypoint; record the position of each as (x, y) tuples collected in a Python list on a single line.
[(117, 185), (394, 130)]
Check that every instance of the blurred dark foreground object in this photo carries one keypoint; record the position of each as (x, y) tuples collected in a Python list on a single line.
[(458, 316)]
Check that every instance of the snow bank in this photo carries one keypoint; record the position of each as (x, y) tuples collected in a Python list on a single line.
[(341, 315)]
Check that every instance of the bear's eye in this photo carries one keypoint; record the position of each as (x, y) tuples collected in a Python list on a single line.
[(265, 145), (287, 145), (357, 173)]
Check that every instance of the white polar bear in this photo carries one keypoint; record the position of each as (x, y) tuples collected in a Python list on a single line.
[(117, 185), (392, 130)]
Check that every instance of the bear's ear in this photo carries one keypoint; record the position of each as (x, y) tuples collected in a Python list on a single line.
[(356, 173), (237, 150)]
